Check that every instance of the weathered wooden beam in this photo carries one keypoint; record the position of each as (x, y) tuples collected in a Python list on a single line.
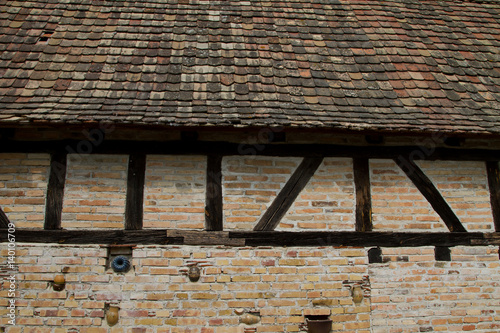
[(230, 148), (198, 237), (4, 220), (431, 193), (366, 239), (254, 238), (284, 200), (135, 192), (107, 237), (213, 199), (493, 171), (55, 191), (363, 194)]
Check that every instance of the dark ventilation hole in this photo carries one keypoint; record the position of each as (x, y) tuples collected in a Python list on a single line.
[(454, 142), (374, 139), (277, 137), (375, 256), (442, 253), (189, 136), (46, 36)]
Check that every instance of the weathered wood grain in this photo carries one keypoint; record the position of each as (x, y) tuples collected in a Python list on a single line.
[(134, 203), (213, 199), (254, 238), (493, 171), (363, 194), (55, 191)]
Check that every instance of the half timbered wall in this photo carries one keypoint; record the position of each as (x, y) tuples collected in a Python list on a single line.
[(406, 289), (174, 193)]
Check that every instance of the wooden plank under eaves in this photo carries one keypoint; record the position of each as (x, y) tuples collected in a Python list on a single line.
[(431, 193), (135, 192), (493, 171), (213, 200), (288, 194), (4, 220), (55, 191), (363, 194), (230, 148)]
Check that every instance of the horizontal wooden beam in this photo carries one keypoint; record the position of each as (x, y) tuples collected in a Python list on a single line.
[(254, 238), (106, 237), (198, 237), (366, 239), (228, 148)]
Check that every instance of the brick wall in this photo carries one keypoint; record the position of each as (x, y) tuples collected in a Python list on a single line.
[(398, 204), (464, 185), (156, 296), (412, 292), (328, 200), (95, 190), (409, 292), (174, 197), (23, 188), (249, 186), (174, 193)]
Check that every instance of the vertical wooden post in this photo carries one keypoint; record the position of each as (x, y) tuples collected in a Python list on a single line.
[(493, 171), (135, 192), (55, 191), (363, 194), (213, 209)]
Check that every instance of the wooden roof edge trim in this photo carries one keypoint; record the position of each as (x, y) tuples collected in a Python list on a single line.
[(239, 128), (180, 147)]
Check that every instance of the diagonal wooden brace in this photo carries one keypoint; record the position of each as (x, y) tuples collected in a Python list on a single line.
[(431, 193), (288, 194)]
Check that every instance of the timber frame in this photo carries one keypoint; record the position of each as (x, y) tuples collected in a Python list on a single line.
[(4, 220), (263, 233)]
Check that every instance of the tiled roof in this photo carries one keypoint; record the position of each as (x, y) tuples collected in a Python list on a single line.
[(403, 65)]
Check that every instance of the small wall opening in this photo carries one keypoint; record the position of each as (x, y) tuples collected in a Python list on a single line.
[(375, 255), (442, 253), (318, 323)]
